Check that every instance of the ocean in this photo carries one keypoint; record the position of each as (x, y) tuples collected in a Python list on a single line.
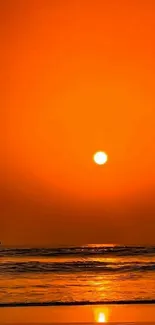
[(70, 275)]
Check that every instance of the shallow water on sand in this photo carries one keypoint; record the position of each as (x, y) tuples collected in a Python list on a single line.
[(141, 314)]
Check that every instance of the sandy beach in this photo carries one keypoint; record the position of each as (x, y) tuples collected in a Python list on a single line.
[(78, 314)]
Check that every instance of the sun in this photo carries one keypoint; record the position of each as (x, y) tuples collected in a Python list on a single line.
[(100, 157)]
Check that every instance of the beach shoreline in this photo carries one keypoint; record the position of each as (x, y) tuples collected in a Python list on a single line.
[(76, 303), (131, 313)]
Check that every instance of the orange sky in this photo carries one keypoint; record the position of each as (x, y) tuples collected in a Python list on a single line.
[(79, 78)]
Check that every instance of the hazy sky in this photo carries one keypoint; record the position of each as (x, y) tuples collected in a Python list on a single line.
[(79, 78)]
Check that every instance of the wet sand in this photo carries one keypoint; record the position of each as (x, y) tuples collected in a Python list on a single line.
[(78, 314)]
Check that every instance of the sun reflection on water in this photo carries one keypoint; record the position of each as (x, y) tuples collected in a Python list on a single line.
[(101, 318), (100, 315)]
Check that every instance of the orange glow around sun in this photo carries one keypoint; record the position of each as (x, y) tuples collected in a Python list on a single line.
[(80, 78)]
